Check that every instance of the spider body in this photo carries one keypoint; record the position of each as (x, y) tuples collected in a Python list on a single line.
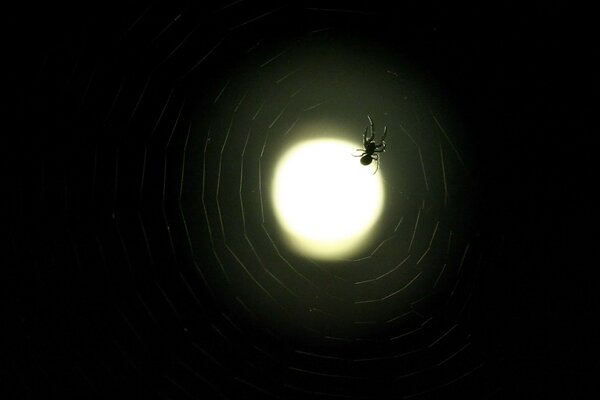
[(371, 149), (366, 159)]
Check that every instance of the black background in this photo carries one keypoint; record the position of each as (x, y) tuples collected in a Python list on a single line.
[(517, 72)]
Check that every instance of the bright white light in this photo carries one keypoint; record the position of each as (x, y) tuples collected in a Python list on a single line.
[(325, 199)]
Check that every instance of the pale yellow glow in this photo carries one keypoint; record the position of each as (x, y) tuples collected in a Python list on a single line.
[(324, 199)]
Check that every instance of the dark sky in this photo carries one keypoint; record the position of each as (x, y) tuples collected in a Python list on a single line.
[(145, 261)]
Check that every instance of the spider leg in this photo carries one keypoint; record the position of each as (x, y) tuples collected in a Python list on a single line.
[(377, 164), (380, 148), (365, 138), (372, 125), (355, 155)]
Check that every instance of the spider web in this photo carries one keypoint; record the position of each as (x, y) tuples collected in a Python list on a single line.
[(171, 208)]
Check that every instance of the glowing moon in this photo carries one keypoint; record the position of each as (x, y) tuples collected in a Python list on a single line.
[(324, 199)]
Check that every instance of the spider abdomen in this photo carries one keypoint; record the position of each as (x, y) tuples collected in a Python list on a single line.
[(366, 159)]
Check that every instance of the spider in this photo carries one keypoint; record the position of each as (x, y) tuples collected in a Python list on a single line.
[(371, 148)]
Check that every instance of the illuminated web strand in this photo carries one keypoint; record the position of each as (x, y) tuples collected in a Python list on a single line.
[(258, 110), (167, 299), (343, 11), (124, 249), (233, 3), (300, 89), (285, 260), (245, 307), (444, 174), (277, 117), (465, 304), (283, 285), (129, 324), (185, 225), (255, 387), (146, 308), (401, 316), (216, 329), (430, 243), (311, 354), (264, 352), (291, 127), (242, 98), (305, 393), (326, 271), (449, 242), (464, 256), (447, 138), (278, 81), (241, 263), (162, 113), (454, 354), (275, 57), (450, 382), (179, 201), (329, 375), (423, 168), (189, 288), (408, 333), (94, 176), (165, 29), (221, 92), (375, 250), (439, 275), (398, 224), (221, 266), (208, 226), (443, 335), (319, 104), (230, 322), (146, 240), (173, 382), (115, 185), (139, 100), (208, 356), (388, 357), (420, 156), (391, 294), (242, 180), (164, 212), (126, 356), (260, 190), (415, 229), (197, 375), (254, 46), (385, 273), (137, 20), (113, 103), (218, 190), (87, 88), (181, 43), (243, 213), (197, 64), (412, 374), (143, 176)]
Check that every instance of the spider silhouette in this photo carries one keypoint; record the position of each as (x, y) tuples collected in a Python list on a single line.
[(371, 148)]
